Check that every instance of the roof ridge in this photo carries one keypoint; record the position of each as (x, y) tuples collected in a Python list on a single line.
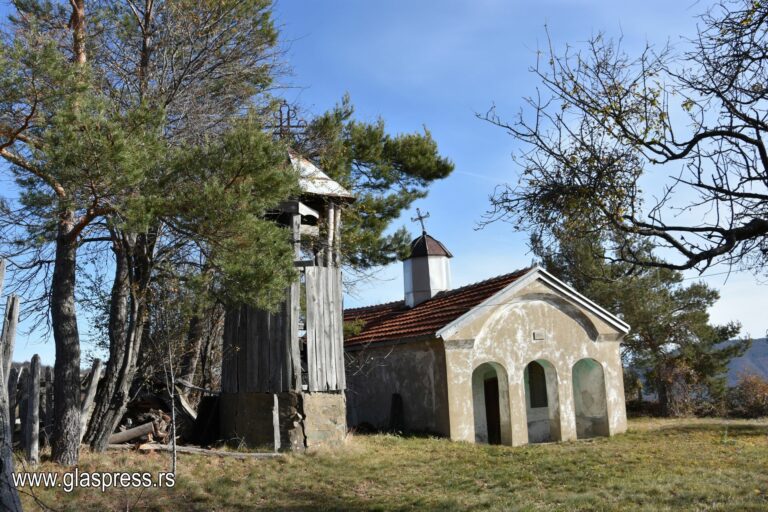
[(373, 306), (446, 293)]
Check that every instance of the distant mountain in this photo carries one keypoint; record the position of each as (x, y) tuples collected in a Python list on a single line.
[(754, 360)]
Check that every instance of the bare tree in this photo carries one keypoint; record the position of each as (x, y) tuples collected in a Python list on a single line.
[(603, 120)]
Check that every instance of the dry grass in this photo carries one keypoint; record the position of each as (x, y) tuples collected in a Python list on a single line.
[(657, 465)]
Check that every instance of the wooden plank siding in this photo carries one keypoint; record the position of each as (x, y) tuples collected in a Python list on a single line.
[(261, 349), (325, 353)]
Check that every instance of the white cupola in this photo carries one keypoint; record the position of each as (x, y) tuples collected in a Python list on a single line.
[(427, 270)]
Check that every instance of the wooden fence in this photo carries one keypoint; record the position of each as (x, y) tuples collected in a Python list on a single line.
[(30, 389)]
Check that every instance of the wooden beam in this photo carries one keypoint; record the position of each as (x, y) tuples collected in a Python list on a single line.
[(32, 430), (132, 433), (298, 207), (87, 406), (194, 450)]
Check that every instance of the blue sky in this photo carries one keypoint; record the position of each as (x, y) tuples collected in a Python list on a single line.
[(437, 63)]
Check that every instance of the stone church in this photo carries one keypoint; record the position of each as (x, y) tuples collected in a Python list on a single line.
[(519, 358)]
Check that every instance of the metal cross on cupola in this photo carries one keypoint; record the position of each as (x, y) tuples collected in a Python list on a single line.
[(420, 219)]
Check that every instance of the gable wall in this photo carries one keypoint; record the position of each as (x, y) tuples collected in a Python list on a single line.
[(503, 334)]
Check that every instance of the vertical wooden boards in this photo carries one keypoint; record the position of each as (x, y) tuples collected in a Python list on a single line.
[(32, 419), (312, 319), (328, 325), (49, 402), (23, 399), (338, 330), (259, 347), (324, 329), (13, 384), (292, 334), (229, 351)]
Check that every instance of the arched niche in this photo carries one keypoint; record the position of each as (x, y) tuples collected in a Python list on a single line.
[(490, 402), (542, 404), (589, 400)]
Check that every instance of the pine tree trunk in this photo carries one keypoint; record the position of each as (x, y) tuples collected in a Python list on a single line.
[(65, 446)]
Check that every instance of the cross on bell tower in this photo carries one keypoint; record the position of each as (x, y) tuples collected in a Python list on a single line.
[(287, 122), (420, 219)]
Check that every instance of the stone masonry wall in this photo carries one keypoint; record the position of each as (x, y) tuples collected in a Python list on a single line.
[(304, 420), (325, 419)]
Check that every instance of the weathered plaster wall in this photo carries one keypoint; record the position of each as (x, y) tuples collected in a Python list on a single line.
[(415, 371), (503, 333)]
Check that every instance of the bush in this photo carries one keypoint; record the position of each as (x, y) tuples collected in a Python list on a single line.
[(749, 398)]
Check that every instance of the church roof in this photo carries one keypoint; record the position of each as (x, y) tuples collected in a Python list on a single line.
[(425, 245), (396, 321)]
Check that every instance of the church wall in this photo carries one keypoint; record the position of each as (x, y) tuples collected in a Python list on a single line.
[(504, 334), (415, 371)]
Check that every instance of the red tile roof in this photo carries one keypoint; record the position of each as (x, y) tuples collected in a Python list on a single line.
[(396, 321)]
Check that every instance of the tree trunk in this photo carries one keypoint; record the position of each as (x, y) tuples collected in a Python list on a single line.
[(195, 340), (128, 316), (661, 389), (65, 446), (118, 344)]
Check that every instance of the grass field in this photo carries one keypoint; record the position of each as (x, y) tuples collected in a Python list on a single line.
[(657, 465)]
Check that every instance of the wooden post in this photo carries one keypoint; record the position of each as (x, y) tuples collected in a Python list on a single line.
[(330, 222), (48, 426), (23, 402), (9, 496), (32, 430), (10, 323), (43, 409), (90, 394), (13, 385)]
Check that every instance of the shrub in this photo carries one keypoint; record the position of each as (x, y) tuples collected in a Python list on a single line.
[(749, 398)]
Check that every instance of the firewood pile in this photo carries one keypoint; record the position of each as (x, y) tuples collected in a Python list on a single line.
[(148, 419)]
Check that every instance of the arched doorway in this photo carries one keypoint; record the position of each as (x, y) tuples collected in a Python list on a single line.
[(589, 400), (542, 404), (490, 401)]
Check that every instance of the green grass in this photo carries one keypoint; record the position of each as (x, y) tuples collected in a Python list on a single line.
[(657, 465)]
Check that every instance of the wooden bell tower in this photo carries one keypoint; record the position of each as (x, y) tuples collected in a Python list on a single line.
[(282, 379)]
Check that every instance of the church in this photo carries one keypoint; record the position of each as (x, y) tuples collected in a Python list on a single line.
[(515, 359)]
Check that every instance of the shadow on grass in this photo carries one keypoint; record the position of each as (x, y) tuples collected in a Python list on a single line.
[(307, 501), (734, 430)]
